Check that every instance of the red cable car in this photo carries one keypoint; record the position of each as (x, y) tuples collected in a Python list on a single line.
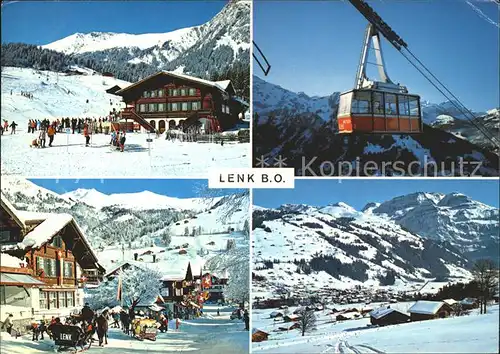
[(378, 106)]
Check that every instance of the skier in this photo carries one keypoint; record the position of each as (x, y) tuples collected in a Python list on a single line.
[(42, 138), (13, 125), (86, 134), (51, 132), (246, 318), (122, 142)]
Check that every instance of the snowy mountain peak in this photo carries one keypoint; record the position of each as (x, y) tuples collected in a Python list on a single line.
[(368, 208), (339, 209)]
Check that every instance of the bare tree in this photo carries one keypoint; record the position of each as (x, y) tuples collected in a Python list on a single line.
[(486, 274), (307, 321)]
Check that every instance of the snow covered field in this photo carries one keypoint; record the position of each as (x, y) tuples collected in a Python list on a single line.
[(210, 334), (56, 96), (467, 334)]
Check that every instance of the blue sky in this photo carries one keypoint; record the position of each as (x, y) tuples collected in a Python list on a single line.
[(179, 188), (314, 47), (357, 193), (43, 22)]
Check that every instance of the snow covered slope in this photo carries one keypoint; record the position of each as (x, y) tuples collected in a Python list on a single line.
[(304, 131), (55, 95), (137, 201), (337, 246), (467, 224), (212, 46)]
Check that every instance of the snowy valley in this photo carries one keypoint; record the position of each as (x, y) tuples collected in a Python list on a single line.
[(402, 244)]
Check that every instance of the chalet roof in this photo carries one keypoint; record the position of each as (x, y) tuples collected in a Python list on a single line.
[(6, 260), (47, 226), (426, 307), (383, 311), (256, 330), (220, 85), (450, 301), (11, 210)]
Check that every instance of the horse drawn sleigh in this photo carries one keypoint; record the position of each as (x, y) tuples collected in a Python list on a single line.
[(144, 328)]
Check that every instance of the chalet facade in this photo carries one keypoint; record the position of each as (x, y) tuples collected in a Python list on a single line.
[(180, 293), (54, 263), (168, 100), (215, 287), (428, 310)]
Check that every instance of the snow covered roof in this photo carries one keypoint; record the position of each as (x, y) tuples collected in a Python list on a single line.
[(47, 225), (382, 311), (6, 260), (9, 208), (450, 301), (426, 307), (220, 85)]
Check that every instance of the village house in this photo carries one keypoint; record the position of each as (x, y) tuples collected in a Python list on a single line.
[(259, 335), (428, 310), (469, 303), (169, 100), (214, 284), (387, 316), (45, 263)]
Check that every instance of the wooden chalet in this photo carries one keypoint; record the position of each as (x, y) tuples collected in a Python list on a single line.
[(388, 316), (428, 310), (259, 335), (168, 100), (179, 292), (216, 288), (54, 257)]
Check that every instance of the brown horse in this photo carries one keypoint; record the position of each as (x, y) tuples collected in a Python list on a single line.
[(102, 328)]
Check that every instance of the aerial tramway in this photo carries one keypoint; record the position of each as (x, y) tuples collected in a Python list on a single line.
[(375, 107)]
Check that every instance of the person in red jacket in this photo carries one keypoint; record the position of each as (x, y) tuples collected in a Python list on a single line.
[(86, 133)]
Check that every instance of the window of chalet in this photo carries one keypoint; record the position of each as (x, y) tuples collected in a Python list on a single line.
[(175, 92), (70, 299), (61, 299), (192, 92), (183, 92), (48, 265), (175, 106), (152, 107), (145, 94), (57, 242), (195, 105), (43, 300), (185, 106), (137, 107), (153, 94), (3, 298), (4, 236), (161, 107), (53, 299), (161, 92), (143, 107), (68, 269)]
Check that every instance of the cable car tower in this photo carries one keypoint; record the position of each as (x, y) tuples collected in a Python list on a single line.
[(378, 106)]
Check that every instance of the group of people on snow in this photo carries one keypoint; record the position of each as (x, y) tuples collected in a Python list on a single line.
[(25, 94), (5, 127)]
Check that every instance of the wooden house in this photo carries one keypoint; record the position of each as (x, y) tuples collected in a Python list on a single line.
[(428, 310), (55, 262), (388, 316), (169, 100), (259, 336), (217, 285)]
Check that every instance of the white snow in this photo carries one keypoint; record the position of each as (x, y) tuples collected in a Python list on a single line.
[(466, 334), (210, 334), (6, 260), (45, 231)]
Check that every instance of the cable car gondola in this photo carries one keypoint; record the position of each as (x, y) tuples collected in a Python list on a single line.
[(374, 107)]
